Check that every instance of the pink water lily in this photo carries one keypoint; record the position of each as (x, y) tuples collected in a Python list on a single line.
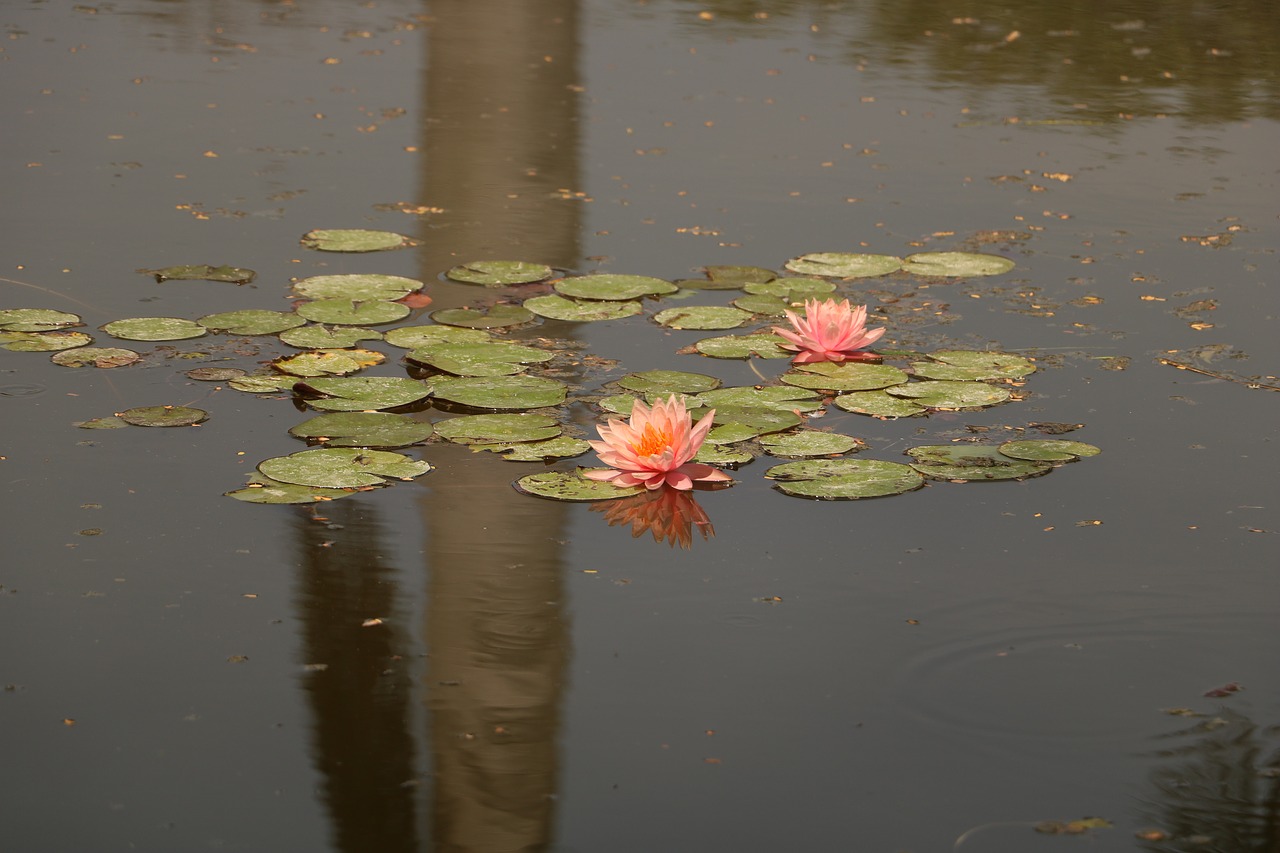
[(828, 331), (654, 448)]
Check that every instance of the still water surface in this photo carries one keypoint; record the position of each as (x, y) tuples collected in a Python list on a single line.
[(952, 665)]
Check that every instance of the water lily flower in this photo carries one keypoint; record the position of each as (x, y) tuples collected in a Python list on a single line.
[(828, 331), (654, 448)]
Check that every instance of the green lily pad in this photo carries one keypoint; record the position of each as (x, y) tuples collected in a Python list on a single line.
[(361, 287), (969, 365), (417, 337), (341, 467), (578, 311), (571, 486), (358, 393), (322, 337), (878, 404), (44, 341), (743, 346), (739, 275), (844, 479), (702, 317), (35, 320), (561, 447), (735, 424), (162, 416), (104, 357), (613, 287), (972, 462), (722, 455), (363, 429), (956, 264), (496, 317), (263, 383), (500, 392), (939, 394), (499, 273), (1048, 449), (214, 374), (667, 382), (793, 289), (618, 404), (344, 312), (845, 376), (778, 398), (354, 240), (328, 362), (264, 490), (482, 359), (202, 272), (498, 429), (810, 442), (844, 264), (772, 306), (154, 329), (251, 322), (101, 423)]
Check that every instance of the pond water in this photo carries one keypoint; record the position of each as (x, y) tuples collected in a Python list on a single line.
[(944, 669)]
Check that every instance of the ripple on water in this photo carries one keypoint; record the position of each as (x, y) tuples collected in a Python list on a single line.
[(20, 390)]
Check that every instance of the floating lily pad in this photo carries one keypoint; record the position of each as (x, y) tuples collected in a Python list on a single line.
[(571, 486), (35, 320), (342, 467), (613, 287), (202, 272), (162, 416), (667, 382), (956, 264), (734, 424), (263, 383), (793, 289), (845, 376), (481, 359), (561, 447), (363, 429), (101, 423), (251, 322), (743, 346), (264, 490), (417, 337), (1048, 449), (498, 429), (618, 404), (702, 317), (941, 394), (214, 374), (496, 317), (154, 329), (500, 392), (354, 240), (322, 337), (328, 362), (44, 341), (772, 306), (844, 479), (578, 311), (104, 357), (344, 312), (809, 442), (972, 462), (779, 398), (358, 393), (722, 455), (844, 264), (967, 365), (361, 287), (739, 275), (499, 273), (878, 404)]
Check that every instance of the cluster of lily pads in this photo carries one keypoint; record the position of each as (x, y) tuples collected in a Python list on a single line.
[(512, 401)]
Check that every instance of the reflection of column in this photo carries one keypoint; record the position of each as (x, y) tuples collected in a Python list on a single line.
[(500, 139)]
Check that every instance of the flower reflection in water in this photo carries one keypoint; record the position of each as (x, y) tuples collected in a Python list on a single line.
[(670, 515)]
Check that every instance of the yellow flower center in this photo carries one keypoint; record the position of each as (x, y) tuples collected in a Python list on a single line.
[(652, 441)]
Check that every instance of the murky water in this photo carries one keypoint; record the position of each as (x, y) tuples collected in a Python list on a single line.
[(183, 672)]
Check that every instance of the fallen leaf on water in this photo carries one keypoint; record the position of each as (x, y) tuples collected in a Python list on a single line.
[(1225, 690)]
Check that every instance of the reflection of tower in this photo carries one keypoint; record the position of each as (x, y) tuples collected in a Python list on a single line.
[(499, 141)]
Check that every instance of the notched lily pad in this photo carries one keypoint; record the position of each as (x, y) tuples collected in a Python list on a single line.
[(722, 455), (251, 322), (498, 429), (154, 329), (35, 320), (556, 307), (810, 442), (740, 275), (736, 424), (500, 392), (416, 337), (793, 289), (214, 374), (264, 490), (941, 394), (342, 467), (202, 272), (162, 416), (345, 312), (44, 341), (613, 287), (483, 359), (263, 383), (354, 240), (844, 264), (571, 486), (956, 264), (779, 398), (363, 429), (845, 376), (667, 382), (972, 462), (743, 346), (844, 479), (561, 447), (104, 357), (499, 273), (496, 317), (878, 404), (322, 337), (771, 306), (702, 317), (358, 393), (359, 287), (1048, 449), (971, 365), (328, 362)]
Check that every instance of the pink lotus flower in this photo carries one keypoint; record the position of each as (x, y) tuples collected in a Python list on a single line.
[(829, 331), (654, 448)]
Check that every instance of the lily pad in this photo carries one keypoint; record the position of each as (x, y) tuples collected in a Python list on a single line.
[(972, 462), (968, 365), (263, 383), (101, 423), (202, 272), (579, 311), (328, 362), (735, 424), (251, 322), (561, 447), (358, 393), (956, 264), (35, 320), (499, 273), (845, 376), (702, 317), (743, 346), (104, 357), (939, 394), (496, 317), (809, 442), (844, 264), (793, 289), (344, 312), (722, 454), (322, 337), (498, 429), (363, 429), (264, 490), (1048, 449), (778, 398), (772, 306), (878, 404), (482, 359), (44, 341), (214, 374), (341, 467), (571, 486), (613, 287), (354, 240), (739, 275), (500, 392), (360, 287), (162, 416), (667, 382), (844, 479), (154, 329), (620, 404), (416, 337)]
